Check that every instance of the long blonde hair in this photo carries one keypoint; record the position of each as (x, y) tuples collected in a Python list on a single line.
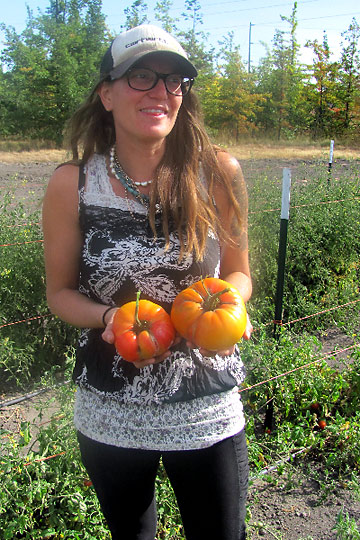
[(185, 199)]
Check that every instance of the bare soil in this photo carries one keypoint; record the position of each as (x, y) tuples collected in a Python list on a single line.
[(292, 506)]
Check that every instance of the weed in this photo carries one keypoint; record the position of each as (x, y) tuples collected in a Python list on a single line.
[(28, 349), (346, 528)]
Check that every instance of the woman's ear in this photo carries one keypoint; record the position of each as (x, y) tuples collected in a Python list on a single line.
[(104, 92)]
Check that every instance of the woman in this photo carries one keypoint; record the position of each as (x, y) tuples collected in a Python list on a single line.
[(150, 206)]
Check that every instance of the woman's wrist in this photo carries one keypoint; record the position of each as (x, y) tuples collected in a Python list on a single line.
[(105, 317)]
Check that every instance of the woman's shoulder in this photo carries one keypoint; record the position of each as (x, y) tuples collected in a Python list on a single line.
[(227, 162), (63, 184), (229, 165), (65, 171)]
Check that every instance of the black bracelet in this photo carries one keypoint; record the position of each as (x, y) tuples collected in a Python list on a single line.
[(105, 312)]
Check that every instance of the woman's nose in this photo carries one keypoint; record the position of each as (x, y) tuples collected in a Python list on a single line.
[(159, 88)]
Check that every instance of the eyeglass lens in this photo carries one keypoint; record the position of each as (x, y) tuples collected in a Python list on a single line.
[(145, 79)]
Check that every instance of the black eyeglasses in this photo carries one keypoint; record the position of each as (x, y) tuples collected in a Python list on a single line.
[(144, 79)]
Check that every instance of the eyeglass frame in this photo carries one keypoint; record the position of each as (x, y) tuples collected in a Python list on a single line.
[(159, 76)]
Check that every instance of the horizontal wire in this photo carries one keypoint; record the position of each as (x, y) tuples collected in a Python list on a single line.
[(250, 212), (304, 205), (27, 320), (22, 243), (23, 225), (333, 353), (280, 323)]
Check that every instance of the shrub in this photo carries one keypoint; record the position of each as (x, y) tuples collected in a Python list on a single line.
[(29, 349)]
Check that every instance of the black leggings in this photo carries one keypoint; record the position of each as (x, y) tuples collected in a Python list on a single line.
[(210, 487)]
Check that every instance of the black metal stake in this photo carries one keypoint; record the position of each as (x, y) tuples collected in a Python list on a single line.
[(284, 221)]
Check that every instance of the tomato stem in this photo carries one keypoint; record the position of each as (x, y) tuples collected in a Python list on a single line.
[(139, 326), (136, 316), (212, 301)]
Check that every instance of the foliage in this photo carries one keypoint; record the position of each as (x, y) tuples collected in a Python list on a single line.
[(45, 491), (162, 14), (346, 528), (28, 350), (47, 498), (136, 14), (194, 40), (322, 260), (50, 67), (349, 76), (311, 391), (228, 99), (281, 79)]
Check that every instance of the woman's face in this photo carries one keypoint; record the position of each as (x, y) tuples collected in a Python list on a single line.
[(144, 116)]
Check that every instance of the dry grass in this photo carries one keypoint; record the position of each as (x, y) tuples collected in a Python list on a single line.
[(56, 156), (288, 151), (243, 151)]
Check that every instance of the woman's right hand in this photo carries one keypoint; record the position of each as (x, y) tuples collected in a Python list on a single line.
[(108, 334)]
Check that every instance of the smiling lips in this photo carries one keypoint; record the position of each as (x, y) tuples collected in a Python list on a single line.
[(154, 110)]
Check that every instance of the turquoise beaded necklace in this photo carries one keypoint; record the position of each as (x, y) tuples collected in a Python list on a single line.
[(125, 180)]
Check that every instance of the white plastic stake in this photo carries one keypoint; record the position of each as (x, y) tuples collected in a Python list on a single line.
[(331, 154), (285, 199)]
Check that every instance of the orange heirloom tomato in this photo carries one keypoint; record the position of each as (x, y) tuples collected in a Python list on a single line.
[(142, 330), (210, 313)]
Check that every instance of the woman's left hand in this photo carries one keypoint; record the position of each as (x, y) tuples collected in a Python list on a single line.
[(249, 328)]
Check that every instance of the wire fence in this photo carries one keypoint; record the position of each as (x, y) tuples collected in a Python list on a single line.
[(245, 388), (272, 322)]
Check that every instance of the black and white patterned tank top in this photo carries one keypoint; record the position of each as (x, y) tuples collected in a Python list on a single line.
[(119, 257)]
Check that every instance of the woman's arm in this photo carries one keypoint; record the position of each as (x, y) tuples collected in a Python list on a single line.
[(62, 248), (234, 263)]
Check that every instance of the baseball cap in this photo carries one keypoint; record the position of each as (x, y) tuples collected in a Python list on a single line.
[(136, 43)]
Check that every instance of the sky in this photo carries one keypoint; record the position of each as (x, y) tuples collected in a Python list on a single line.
[(254, 21)]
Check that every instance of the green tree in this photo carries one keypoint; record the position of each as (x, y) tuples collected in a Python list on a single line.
[(51, 66), (162, 14), (136, 14), (349, 76), (280, 78), (194, 40), (321, 96), (229, 100)]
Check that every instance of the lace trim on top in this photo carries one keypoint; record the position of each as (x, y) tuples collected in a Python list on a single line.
[(99, 191), (188, 425)]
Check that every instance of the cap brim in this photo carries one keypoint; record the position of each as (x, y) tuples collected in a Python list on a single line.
[(185, 65)]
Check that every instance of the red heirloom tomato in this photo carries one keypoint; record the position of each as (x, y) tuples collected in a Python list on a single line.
[(142, 330), (210, 313)]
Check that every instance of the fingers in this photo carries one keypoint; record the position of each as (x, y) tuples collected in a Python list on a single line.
[(149, 361), (108, 334), (207, 353), (249, 329)]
